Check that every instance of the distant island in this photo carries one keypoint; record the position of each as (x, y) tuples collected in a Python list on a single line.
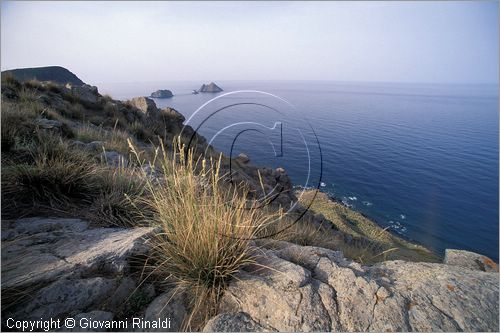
[(210, 88), (56, 74), (165, 93)]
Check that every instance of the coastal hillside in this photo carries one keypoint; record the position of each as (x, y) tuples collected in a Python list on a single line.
[(54, 74), (115, 210)]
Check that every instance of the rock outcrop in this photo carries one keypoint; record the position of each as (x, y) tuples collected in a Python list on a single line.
[(162, 93), (85, 92), (210, 88), (146, 105), (314, 289), (66, 266), (469, 260), (73, 270)]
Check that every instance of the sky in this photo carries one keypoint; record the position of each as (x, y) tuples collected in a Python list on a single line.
[(427, 42)]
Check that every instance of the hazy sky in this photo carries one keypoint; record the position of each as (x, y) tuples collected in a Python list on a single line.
[(341, 41)]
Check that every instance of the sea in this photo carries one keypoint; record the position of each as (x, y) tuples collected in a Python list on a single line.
[(419, 159)]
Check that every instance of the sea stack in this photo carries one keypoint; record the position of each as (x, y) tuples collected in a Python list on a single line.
[(162, 94), (211, 88)]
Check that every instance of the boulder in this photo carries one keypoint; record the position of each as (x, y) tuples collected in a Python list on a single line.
[(210, 88), (47, 123), (243, 158), (84, 92), (280, 170), (173, 114), (469, 260), (144, 104), (162, 94)]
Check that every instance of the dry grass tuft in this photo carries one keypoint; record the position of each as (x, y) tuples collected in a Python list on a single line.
[(112, 139), (205, 230)]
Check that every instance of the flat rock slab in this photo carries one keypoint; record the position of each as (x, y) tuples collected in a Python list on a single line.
[(314, 289), (469, 260), (37, 251)]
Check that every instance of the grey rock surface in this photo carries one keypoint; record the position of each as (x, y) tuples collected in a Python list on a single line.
[(67, 296), (47, 123), (238, 322), (84, 92), (70, 269), (168, 305), (144, 104), (469, 260), (173, 114), (41, 250), (314, 289), (162, 93)]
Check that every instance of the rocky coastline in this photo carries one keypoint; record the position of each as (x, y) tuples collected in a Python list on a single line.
[(333, 270)]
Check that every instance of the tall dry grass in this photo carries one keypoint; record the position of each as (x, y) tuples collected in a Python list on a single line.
[(205, 228)]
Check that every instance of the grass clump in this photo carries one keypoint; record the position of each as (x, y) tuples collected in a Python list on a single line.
[(57, 176), (205, 230), (113, 139)]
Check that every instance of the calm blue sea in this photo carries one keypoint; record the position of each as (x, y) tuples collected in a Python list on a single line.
[(419, 159)]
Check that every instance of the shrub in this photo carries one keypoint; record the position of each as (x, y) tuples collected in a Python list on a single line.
[(141, 132), (74, 111)]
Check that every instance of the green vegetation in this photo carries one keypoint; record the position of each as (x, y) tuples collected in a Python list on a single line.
[(366, 241)]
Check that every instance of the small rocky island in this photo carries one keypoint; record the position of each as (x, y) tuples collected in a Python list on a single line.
[(210, 88), (162, 93)]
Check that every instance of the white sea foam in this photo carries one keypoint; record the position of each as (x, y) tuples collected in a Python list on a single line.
[(397, 227), (403, 216), (353, 198), (345, 203)]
